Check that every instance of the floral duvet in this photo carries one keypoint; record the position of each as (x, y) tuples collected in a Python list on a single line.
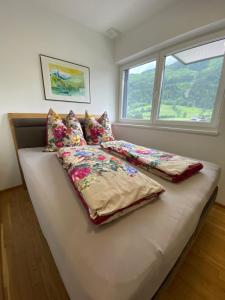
[(108, 187), (167, 165)]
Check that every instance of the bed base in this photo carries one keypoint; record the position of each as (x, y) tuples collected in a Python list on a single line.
[(187, 248), (29, 130)]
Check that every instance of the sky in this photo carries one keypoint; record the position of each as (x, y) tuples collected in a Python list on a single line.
[(150, 65)]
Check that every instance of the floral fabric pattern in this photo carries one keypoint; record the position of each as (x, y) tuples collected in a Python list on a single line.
[(60, 134), (167, 165), (102, 179), (97, 131), (85, 165), (73, 125)]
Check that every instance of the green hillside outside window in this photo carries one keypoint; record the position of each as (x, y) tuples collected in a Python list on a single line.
[(189, 90), (176, 88), (138, 91)]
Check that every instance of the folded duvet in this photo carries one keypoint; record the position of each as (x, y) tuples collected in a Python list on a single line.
[(108, 187), (170, 166)]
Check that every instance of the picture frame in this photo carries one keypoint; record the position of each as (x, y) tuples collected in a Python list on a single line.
[(65, 81)]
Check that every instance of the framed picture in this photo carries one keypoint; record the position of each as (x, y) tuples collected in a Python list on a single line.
[(65, 81)]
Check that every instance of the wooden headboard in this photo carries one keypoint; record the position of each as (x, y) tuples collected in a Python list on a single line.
[(29, 129)]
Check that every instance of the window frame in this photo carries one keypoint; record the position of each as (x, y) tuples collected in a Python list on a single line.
[(159, 72), (123, 68)]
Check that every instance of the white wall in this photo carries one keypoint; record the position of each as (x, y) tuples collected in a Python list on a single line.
[(185, 17), (175, 21), (25, 32)]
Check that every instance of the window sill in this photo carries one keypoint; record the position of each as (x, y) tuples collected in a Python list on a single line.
[(204, 131)]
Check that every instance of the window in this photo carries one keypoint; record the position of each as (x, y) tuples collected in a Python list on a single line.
[(185, 91), (190, 83), (138, 91)]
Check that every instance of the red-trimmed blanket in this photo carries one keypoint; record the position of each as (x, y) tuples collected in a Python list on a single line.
[(108, 187), (170, 166)]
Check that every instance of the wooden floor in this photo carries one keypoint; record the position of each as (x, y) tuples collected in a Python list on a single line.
[(28, 272)]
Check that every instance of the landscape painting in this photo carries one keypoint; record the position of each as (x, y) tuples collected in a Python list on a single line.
[(65, 81)]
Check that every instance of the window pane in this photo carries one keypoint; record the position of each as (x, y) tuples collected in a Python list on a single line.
[(190, 83), (138, 91)]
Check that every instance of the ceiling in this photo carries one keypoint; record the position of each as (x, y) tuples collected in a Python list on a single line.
[(100, 15)]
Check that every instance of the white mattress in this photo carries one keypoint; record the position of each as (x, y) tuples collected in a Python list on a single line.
[(126, 259)]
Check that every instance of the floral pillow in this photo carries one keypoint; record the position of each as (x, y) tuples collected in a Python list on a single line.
[(97, 131), (75, 132), (63, 135)]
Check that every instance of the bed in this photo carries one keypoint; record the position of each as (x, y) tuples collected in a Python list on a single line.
[(132, 258)]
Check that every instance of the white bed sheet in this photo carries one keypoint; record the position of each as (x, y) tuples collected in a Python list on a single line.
[(127, 259)]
